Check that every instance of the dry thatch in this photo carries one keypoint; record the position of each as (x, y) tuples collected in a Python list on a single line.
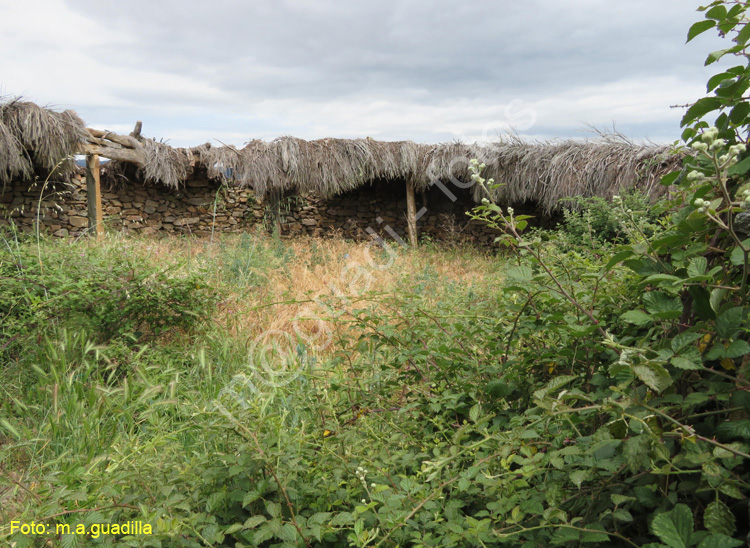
[(164, 164), (33, 139), (550, 172), (37, 140), (325, 167), (541, 172)]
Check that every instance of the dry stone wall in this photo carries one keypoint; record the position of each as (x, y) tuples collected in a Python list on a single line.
[(203, 206)]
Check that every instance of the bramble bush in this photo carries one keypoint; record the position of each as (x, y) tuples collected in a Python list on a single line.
[(600, 396), (109, 294)]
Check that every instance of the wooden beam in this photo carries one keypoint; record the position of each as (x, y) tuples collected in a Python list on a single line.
[(137, 130), (124, 140), (411, 215), (94, 195), (123, 154)]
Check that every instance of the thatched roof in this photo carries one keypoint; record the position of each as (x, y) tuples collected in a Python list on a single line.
[(547, 173), (35, 140), (544, 172)]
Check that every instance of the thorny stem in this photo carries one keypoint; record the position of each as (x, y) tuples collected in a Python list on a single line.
[(254, 438), (690, 432)]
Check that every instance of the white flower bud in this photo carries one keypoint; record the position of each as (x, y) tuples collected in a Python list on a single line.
[(718, 144), (701, 147), (710, 134)]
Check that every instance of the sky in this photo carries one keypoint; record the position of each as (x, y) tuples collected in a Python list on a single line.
[(428, 71)]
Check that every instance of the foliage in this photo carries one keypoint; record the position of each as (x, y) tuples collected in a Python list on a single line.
[(595, 222), (109, 295), (599, 396)]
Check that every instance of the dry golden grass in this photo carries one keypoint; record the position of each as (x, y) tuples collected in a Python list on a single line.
[(308, 287)]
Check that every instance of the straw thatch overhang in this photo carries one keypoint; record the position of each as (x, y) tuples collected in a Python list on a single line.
[(35, 140)]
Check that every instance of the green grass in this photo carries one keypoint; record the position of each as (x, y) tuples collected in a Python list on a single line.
[(115, 410), (253, 391)]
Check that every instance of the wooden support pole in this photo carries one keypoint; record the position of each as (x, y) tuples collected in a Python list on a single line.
[(411, 215), (275, 198), (94, 191)]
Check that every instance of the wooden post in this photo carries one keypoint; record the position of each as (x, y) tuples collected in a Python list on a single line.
[(94, 191), (275, 197), (411, 215)]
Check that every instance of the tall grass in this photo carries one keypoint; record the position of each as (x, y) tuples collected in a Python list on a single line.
[(117, 353)]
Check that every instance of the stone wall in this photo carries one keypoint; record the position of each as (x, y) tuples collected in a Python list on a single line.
[(203, 206)]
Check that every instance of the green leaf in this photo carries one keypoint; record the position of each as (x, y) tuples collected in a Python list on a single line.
[(731, 430), (717, 79), (697, 266), (636, 317), (591, 536), (663, 306), (674, 528), (682, 340), (700, 109), (738, 256), (737, 349), (664, 280), (699, 28), (5, 423), (214, 501), (578, 477), (702, 302), (619, 500), (730, 322), (273, 509), (520, 273), (689, 361), (717, 12), (731, 490), (720, 541), (253, 521), (737, 116), (341, 519), (719, 519), (716, 55), (250, 497), (475, 412), (743, 36), (717, 295), (233, 528), (620, 256), (670, 178), (622, 515), (553, 386), (564, 535), (653, 375)]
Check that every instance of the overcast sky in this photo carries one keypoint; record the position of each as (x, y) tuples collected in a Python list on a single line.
[(389, 69)]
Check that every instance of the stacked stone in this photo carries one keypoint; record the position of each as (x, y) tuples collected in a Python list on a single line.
[(202, 207)]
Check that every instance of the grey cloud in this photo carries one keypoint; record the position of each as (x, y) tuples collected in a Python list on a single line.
[(426, 52)]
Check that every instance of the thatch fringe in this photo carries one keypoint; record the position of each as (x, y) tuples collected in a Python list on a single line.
[(37, 140), (547, 173), (542, 172), (34, 139), (164, 164)]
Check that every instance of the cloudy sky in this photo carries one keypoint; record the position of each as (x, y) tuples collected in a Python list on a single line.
[(388, 69)]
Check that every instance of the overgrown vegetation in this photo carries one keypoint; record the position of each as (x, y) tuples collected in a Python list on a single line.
[(588, 386)]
